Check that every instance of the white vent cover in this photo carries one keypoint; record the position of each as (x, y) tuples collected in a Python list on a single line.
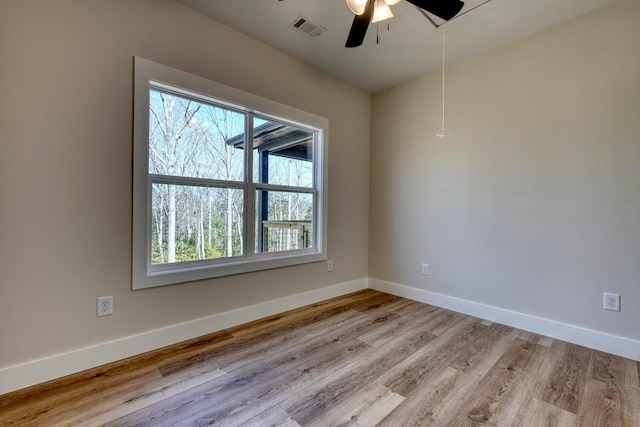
[(309, 29)]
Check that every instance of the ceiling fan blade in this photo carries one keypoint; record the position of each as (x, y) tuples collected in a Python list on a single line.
[(360, 25), (445, 9)]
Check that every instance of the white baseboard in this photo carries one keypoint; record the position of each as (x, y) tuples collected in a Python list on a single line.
[(38, 371), (608, 343)]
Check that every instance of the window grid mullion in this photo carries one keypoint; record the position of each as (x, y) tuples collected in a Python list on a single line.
[(285, 188), (196, 182), (250, 196)]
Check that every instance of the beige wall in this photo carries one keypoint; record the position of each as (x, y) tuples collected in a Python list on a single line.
[(532, 203), (65, 168)]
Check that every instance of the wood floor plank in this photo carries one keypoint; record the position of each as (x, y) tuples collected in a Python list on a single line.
[(127, 402), (293, 319), (276, 326), (611, 392), (366, 358), (273, 417), (536, 338), (318, 399), (323, 357), (447, 408), (400, 325), (536, 413), (60, 409), (375, 304), (529, 336), (500, 390), (483, 352), (312, 358), (423, 404), (614, 370), (220, 394), (118, 378), (568, 379), (546, 341), (290, 376), (605, 404), (275, 344), (446, 320), (407, 375), (406, 307), (365, 408), (106, 376)]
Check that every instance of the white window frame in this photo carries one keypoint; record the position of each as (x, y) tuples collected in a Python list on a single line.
[(148, 74)]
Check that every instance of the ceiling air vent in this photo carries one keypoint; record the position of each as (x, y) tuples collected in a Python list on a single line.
[(309, 29)]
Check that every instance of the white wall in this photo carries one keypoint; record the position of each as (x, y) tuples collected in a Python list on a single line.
[(532, 203), (65, 169)]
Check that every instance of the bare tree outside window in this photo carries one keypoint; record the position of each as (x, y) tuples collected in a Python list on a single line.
[(202, 220)]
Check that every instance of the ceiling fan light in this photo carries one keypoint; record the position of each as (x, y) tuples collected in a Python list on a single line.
[(381, 12), (391, 2), (357, 6)]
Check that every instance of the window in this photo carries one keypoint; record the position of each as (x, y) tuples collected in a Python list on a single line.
[(224, 182)]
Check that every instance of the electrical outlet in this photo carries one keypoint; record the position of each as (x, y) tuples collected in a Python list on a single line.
[(424, 269), (330, 265), (611, 301), (105, 306)]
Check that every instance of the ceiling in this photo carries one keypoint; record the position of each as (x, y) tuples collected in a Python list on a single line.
[(408, 48)]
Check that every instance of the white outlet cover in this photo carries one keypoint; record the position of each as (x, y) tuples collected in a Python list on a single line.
[(424, 269), (611, 301), (104, 306)]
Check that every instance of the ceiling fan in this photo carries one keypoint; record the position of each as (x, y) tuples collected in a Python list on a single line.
[(364, 11)]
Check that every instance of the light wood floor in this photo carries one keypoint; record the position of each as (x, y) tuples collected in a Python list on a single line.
[(365, 359)]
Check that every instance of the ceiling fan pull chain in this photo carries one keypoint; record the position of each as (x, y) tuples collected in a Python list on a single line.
[(444, 32)]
